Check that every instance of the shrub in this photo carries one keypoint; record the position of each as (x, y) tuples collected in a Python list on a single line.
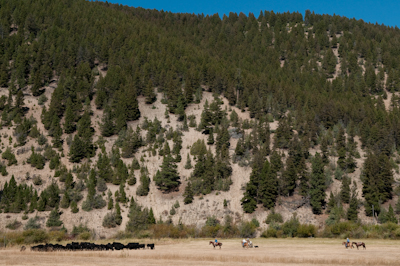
[(290, 227), (32, 223), (85, 236), (37, 180), (110, 220), (255, 222), (33, 236), (9, 156), (306, 230), (42, 99), (247, 229), (77, 230), (14, 225), (270, 232), (274, 217), (212, 221), (74, 207), (54, 218), (97, 202), (57, 235)]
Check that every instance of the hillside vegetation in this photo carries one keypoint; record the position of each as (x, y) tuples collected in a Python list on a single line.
[(124, 119)]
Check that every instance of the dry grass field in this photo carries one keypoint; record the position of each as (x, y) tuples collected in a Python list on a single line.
[(198, 252)]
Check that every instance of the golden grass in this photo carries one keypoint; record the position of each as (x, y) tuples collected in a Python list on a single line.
[(198, 252)]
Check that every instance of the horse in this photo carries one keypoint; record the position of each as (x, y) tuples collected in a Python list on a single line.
[(245, 245), (347, 244), (218, 244), (358, 244)]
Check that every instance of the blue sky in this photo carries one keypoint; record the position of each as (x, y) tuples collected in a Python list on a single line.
[(383, 12)]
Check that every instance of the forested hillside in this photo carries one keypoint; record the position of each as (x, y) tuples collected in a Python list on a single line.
[(119, 119)]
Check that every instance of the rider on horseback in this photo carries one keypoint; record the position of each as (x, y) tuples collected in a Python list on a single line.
[(243, 242), (347, 243)]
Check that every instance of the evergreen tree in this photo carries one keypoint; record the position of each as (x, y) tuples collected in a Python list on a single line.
[(149, 93), (69, 123), (188, 164), (268, 186), (352, 211), (345, 189), (210, 140), (118, 216), (110, 201), (188, 194), (65, 202), (151, 219), (168, 178), (77, 150), (144, 188), (74, 207), (54, 218), (317, 185), (377, 180), (390, 215), (289, 178)]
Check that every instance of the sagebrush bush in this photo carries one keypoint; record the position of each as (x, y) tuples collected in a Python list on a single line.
[(34, 236), (306, 230), (247, 229), (110, 220), (274, 217), (32, 223), (13, 225)]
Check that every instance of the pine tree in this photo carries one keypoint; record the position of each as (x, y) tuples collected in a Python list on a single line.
[(250, 197), (289, 178), (144, 188), (74, 207), (317, 185), (331, 203), (118, 216), (377, 181), (54, 218), (151, 219), (69, 123), (188, 164), (149, 93), (268, 186), (107, 125), (188, 194), (122, 195), (352, 211), (110, 201), (210, 140), (77, 150), (345, 189), (56, 131), (390, 215), (65, 202), (168, 178)]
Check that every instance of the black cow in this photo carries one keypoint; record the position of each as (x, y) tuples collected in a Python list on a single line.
[(118, 246), (151, 246), (132, 246)]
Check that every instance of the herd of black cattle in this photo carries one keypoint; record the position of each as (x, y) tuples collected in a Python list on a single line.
[(74, 246)]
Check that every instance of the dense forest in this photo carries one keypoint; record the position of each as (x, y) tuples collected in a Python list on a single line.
[(330, 82)]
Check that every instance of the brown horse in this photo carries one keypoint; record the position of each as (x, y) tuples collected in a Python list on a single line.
[(347, 244), (358, 244), (245, 245), (218, 244)]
